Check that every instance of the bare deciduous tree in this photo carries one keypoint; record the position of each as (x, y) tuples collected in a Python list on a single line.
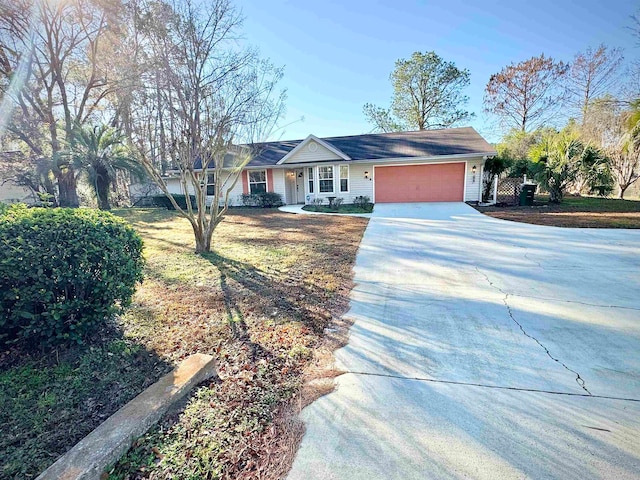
[(617, 131), (625, 165), (625, 152), (209, 97), (593, 74), (528, 94)]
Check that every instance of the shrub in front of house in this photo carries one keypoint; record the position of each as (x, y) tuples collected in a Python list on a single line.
[(262, 200), (335, 202), (63, 273), (181, 200), (363, 202)]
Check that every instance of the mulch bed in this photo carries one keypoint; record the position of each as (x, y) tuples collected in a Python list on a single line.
[(565, 216)]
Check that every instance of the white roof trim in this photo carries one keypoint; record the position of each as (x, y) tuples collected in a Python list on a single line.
[(394, 160), (310, 138)]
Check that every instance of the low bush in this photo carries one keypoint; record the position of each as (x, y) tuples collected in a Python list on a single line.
[(362, 202), (249, 200), (262, 200), (335, 202), (181, 200), (63, 272)]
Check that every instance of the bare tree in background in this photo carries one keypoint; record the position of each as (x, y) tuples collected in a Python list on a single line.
[(617, 132), (211, 96), (527, 95), (624, 152), (593, 74), (632, 84)]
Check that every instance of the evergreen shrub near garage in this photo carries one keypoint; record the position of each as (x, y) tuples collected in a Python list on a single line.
[(63, 273), (363, 202)]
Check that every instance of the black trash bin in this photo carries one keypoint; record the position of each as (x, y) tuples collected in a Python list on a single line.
[(527, 192)]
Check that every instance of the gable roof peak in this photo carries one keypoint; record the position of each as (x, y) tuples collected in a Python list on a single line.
[(313, 138)]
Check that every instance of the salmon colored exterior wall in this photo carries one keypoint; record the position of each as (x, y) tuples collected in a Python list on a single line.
[(442, 182), (269, 180), (245, 182)]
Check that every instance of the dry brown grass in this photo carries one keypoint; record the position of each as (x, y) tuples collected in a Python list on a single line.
[(268, 303)]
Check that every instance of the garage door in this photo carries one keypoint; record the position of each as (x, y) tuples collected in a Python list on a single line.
[(420, 183)]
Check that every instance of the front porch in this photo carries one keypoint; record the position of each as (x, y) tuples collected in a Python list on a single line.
[(295, 193)]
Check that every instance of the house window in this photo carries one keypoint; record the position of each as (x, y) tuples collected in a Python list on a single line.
[(258, 181), (310, 175), (344, 178), (211, 184), (325, 174)]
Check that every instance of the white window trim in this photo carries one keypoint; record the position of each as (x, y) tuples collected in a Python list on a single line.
[(333, 180), (347, 178), (266, 179), (207, 184), (310, 178)]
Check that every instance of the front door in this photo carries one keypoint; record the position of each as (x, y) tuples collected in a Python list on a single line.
[(299, 185)]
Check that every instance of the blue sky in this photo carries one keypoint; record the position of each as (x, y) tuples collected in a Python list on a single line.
[(338, 54)]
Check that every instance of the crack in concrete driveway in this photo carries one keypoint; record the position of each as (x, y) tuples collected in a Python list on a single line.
[(505, 300), (440, 383), (499, 387)]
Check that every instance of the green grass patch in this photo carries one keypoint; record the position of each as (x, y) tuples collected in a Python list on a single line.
[(49, 403), (599, 204), (345, 208)]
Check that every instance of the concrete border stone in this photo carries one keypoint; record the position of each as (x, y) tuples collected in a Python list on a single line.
[(107, 443)]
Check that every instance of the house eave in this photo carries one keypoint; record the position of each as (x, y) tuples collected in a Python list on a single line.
[(430, 158)]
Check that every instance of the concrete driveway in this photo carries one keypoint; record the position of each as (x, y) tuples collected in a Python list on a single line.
[(483, 349)]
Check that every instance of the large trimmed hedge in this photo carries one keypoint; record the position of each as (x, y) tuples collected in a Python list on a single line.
[(63, 272), (181, 200)]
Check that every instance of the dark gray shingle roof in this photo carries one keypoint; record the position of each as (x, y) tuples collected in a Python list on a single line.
[(425, 143)]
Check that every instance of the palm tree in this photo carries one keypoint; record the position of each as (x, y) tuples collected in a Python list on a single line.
[(100, 152), (562, 157)]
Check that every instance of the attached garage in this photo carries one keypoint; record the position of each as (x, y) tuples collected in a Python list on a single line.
[(442, 182)]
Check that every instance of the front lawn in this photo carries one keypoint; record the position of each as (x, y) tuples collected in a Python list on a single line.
[(588, 212), (260, 304), (344, 208)]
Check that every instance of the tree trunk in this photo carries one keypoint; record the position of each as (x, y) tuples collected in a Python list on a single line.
[(67, 189), (203, 242), (621, 192), (555, 195), (102, 192)]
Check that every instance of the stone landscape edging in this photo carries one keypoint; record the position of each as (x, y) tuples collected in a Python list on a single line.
[(107, 443)]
